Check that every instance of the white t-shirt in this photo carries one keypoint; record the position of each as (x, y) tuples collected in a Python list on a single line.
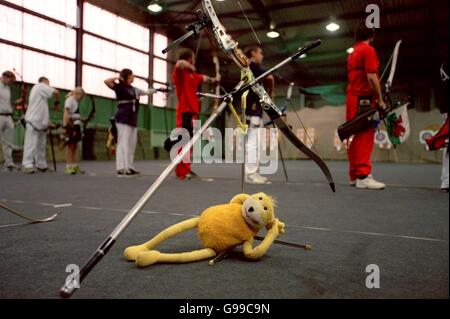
[(37, 111), (5, 99), (72, 105)]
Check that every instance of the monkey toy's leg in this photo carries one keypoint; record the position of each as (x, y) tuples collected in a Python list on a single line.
[(149, 258), (131, 253)]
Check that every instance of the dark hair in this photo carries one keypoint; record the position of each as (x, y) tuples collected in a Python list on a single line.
[(125, 74), (43, 79), (8, 74), (186, 54), (363, 33), (249, 50)]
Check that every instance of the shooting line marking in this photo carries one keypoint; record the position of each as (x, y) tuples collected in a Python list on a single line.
[(368, 233), (63, 205), (355, 232)]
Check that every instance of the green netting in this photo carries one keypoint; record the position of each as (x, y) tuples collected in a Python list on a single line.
[(333, 94)]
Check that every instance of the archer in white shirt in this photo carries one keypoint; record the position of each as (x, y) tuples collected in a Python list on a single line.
[(72, 129), (6, 121), (37, 118)]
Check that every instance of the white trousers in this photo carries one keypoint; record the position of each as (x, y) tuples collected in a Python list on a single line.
[(444, 177), (34, 149), (6, 138), (126, 146), (253, 145)]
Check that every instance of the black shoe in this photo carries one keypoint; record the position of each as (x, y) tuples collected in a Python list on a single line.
[(127, 173), (132, 172), (444, 190), (43, 170), (122, 173), (192, 175)]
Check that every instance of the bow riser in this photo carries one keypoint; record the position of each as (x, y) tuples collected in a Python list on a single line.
[(226, 43), (231, 47)]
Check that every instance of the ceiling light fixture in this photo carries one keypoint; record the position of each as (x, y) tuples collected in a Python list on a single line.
[(155, 7), (333, 27), (350, 50), (273, 34)]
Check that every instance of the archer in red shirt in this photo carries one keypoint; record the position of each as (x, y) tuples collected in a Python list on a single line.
[(187, 83), (364, 90)]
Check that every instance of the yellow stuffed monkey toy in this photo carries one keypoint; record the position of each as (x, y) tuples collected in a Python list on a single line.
[(220, 228)]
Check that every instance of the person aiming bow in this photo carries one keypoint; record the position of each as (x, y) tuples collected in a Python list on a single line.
[(187, 81), (71, 129), (37, 118), (126, 120)]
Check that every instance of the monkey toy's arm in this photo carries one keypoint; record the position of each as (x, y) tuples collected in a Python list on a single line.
[(239, 199), (275, 230)]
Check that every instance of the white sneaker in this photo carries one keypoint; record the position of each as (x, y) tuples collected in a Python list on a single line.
[(255, 179), (265, 179), (369, 183)]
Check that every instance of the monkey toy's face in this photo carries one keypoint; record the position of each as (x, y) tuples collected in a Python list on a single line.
[(258, 210)]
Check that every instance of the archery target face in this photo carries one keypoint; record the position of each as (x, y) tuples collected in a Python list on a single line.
[(381, 137), (424, 135)]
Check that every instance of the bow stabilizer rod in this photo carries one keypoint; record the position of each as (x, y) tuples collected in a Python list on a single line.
[(246, 87), (295, 56)]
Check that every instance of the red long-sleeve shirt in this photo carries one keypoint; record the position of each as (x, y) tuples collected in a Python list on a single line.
[(187, 83), (362, 61)]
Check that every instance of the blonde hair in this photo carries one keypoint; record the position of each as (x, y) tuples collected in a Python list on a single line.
[(78, 90)]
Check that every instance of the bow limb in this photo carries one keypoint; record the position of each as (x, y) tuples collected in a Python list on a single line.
[(216, 62), (390, 79), (21, 104), (388, 86), (310, 139), (92, 113), (278, 120)]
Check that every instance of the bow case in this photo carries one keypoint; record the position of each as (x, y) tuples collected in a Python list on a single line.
[(366, 119)]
